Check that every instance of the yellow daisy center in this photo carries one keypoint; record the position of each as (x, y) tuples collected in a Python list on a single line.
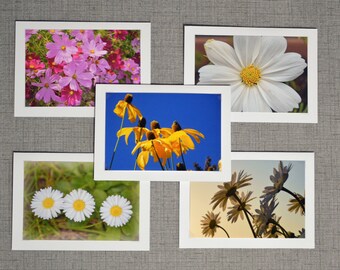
[(63, 48), (116, 211), (250, 75), (48, 203), (79, 205)]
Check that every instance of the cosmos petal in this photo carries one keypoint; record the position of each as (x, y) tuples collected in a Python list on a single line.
[(247, 48), (214, 74)]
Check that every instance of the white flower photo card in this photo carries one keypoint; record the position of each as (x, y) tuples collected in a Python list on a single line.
[(58, 206), (272, 71)]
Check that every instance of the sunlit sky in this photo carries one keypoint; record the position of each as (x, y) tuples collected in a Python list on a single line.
[(202, 192), (197, 111)]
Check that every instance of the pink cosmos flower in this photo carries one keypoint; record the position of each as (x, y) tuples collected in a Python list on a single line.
[(98, 66), (135, 78), (120, 34), (131, 66), (82, 35), (115, 60), (48, 86), (56, 68), (135, 43), (29, 33), (93, 48), (34, 68), (111, 78), (71, 97), (62, 48), (56, 32), (76, 74)]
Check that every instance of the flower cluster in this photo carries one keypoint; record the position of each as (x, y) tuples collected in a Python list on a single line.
[(160, 143), (78, 205), (264, 222), (63, 66)]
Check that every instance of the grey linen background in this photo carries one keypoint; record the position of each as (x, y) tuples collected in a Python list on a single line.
[(76, 135)]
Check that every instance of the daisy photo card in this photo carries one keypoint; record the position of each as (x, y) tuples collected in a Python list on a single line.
[(162, 132), (272, 71), (58, 64), (58, 206), (266, 202)]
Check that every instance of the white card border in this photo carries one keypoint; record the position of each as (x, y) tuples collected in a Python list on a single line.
[(18, 243), (311, 117), (20, 110), (99, 153), (309, 242)]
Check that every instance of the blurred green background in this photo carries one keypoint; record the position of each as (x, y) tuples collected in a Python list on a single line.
[(66, 176)]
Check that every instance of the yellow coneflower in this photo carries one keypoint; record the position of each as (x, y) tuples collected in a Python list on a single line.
[(139, 131), (124, 105)]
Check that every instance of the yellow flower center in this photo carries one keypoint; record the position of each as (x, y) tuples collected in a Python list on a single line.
[(71, 93), (79, 205), (46, 85), (63, 48), (31, 66), (48, 203), (74, 76), (52, 31), (91, 51), (116, 211), (82, 31), (250, 75)]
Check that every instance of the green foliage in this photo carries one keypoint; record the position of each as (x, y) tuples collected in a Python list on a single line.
[(67, 176)]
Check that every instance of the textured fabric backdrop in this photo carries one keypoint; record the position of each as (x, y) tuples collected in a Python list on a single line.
[(76, 135)]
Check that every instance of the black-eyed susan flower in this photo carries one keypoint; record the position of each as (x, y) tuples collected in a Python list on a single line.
[(140, 130), (239, 207), (78, 205), (124, 105), (210, 223), (47, 203), (116, 211), (180, 139), (229, 189), (160, 132), (158, 148)]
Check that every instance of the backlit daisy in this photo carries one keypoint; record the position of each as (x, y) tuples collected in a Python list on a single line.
[(78, 205), (256, 68), (47, 203), (264, 216), (229, 189), (295, 206), (116, 211), (209, 224), (124, 105), (239, 207)]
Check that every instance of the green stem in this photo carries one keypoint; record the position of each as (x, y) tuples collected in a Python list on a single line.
[(180, 147), (117, 141), (218, 226), (246, 214), (295, 196), (277, 224), (160, 163)]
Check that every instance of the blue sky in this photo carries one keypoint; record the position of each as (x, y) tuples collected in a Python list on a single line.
[(197, 111)]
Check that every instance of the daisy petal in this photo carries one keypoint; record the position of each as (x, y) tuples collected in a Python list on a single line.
[(214, 74), (254, 102), (279, 96), (221, 53), (247, 48), (271, 47), (287, 68)]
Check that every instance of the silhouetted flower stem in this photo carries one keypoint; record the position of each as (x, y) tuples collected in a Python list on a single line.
[(246, 214), (218, 226), (285, 233), (140, 135), (117, 141), (295, 196), (180, 147)]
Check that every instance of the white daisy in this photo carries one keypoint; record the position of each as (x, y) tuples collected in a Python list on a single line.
[(255, 68), (78, 205), (116, 211), (47, 203)]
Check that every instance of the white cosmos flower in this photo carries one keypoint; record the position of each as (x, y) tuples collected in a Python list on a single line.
[(47, 203), (255, 68), (78, 205), (116, 211)]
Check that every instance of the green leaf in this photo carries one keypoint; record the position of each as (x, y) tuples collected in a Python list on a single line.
[(99, 196), (64, 186)]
